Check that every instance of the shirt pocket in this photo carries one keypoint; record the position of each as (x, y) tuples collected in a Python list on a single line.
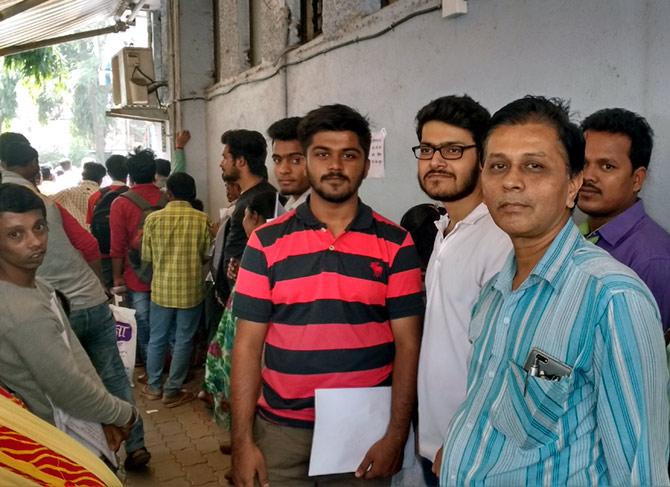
[(530, 420)]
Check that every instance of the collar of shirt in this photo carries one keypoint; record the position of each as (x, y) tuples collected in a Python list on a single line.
[(550, 268), (14, 178), (90, 186), (361, 221), (295, 201), (116, 182), (178, 204), (620, 226), (143, 186), (479, 212)]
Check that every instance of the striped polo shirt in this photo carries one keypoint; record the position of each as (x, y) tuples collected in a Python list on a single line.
[(604, 423), (328, 303)]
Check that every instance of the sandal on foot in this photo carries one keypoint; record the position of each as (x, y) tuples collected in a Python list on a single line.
[(137, 459), (150, 393), (181, 397)]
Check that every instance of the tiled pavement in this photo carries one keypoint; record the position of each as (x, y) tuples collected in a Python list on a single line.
[(184, 444)]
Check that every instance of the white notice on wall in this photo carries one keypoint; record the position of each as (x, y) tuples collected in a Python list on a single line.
[(377, 154)]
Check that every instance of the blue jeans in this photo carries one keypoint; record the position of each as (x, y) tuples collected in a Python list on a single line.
[(96, 329), (164, 322), (140, 302)]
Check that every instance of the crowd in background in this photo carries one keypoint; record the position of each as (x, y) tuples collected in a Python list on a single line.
[(525, 349)]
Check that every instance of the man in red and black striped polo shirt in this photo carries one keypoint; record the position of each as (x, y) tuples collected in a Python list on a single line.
[(332, 293)]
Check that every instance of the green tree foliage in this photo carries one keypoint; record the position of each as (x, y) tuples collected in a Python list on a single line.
[(60, 78), (39, 65), (8, 104), (89, 123)]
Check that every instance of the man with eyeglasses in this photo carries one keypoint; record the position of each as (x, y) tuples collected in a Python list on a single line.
[(469, 249)]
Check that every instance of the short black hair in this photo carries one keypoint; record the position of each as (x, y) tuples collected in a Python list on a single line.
[(142, 166), (336, 118), (15, 198), (197, 204), (459, 111), (163, 167), (284, 129), (553, 111), (182, 186), (93, 171), (18, 154), (263, 204), (117, 167), (249, 144), (46, 173), (8, 138), (630, 124)]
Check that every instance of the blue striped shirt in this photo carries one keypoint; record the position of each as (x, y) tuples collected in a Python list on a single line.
[(606, 423)]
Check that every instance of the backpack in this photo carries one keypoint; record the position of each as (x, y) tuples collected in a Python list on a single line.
[(100, 218), (143, 270)]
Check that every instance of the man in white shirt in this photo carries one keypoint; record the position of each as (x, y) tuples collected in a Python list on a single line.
[(469, 249), (289, 164)]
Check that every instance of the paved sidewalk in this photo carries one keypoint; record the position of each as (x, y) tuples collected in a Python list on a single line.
[(184, 444)]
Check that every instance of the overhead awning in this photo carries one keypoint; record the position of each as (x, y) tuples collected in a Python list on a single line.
[(29, 24)]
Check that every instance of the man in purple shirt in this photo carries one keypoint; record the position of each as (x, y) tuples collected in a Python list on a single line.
[(618, 149)]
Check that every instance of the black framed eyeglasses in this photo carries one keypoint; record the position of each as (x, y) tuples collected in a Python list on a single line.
[(451, 152)]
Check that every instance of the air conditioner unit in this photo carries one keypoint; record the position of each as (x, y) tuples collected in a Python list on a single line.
[(133, 77)]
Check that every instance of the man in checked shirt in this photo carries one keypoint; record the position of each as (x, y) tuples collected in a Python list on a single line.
[(175, 242)]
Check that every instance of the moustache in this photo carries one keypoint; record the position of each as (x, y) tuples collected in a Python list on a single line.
[(334, 175), (511, 202), (434, 172), (590, 187)]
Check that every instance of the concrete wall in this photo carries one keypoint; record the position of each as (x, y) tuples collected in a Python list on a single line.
[(597, 53), (191, 50)]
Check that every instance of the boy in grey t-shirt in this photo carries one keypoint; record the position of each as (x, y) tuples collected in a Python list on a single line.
[(41, 359)]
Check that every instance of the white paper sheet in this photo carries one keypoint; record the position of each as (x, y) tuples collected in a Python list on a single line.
[(348, 422), (377, 154)]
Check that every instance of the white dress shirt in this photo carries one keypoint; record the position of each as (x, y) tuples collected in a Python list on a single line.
[(461, 263)]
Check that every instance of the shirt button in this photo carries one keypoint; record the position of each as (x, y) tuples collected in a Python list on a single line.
[(453, 477), (469, 426), (491, 374), (332, 247), (506, 320)]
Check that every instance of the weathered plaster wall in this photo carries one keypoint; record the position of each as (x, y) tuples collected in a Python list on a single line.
[(597, 54), (257, 105), (194, 73)]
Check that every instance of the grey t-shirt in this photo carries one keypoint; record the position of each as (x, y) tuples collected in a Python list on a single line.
[(64, 268), (38, 365)]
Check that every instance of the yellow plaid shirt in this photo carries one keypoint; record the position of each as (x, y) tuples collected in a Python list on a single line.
[(175, 241)]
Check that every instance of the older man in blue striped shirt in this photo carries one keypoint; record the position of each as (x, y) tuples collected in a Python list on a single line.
[(568, 380)]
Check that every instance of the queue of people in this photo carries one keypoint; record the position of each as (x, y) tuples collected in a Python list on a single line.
[(524, 349)]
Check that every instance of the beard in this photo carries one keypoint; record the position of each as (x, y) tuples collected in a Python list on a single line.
[(231, 177), (450, 195), (335, 197)]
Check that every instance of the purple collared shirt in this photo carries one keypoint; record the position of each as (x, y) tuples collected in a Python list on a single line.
[(637, 241)]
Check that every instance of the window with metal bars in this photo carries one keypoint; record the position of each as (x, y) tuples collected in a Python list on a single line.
[(311, 18)]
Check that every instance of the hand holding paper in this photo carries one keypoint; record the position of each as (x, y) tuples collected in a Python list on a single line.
[(114, 436), (383, 459)]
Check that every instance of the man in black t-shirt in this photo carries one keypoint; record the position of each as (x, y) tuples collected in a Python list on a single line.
[(243, 162)]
